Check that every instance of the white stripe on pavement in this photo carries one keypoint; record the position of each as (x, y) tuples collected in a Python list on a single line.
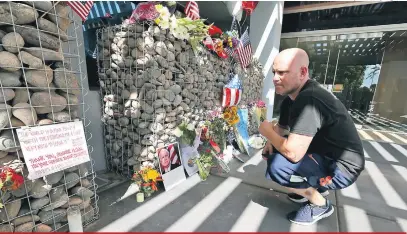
[(255, 160), (381, 136), (366, 154), (365, 135), (351, 191), (356, 219), (251, 218), (201, 211), (402, 223), (386, 155), (148, 209), (400, 148), (303, 228), (388, 193), (401, 170), (398, 137)]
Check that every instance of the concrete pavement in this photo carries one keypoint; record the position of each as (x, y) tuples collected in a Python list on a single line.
[(242, 201)]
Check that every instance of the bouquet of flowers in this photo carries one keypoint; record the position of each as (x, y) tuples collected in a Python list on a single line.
[(258, 111), (9, 180), (204, 162), (146, 179), (186, 133), (182, 28), (230, 115)]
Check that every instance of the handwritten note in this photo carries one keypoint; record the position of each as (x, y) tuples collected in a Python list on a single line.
[(52, 148)]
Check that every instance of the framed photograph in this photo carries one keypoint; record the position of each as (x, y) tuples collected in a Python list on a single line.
[(169, 158), (172, 171)]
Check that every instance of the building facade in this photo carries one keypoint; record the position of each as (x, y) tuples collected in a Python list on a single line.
[(357, 51)]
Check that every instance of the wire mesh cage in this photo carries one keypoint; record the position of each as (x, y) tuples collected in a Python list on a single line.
[(150, 83), (42, 83)]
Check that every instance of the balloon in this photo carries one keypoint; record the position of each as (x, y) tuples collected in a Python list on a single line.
[(249, 6)]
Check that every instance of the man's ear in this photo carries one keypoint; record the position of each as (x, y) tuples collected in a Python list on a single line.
[(304, 71)]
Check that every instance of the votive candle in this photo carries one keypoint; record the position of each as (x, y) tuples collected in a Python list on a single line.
[(140, 197)]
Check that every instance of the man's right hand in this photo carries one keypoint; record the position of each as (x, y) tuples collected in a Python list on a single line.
[(268, 149)]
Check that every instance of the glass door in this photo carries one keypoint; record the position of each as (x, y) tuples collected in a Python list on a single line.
[(366, 71)]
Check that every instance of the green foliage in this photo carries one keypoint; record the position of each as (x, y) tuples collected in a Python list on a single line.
[(188, 136)]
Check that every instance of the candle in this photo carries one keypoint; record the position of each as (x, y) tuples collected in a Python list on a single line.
[(74, 219), (140, 197)]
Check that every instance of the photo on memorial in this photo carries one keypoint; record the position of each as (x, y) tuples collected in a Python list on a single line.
[(169, 158), (172, 171)]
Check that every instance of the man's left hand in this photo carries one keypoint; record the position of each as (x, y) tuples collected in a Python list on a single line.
[(264, 127)]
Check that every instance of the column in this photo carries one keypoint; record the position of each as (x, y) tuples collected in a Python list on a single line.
[(265, 32)]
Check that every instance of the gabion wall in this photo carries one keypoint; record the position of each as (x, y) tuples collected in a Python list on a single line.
[(41, 83), (150, 83)]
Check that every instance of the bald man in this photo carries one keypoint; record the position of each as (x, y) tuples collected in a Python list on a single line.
[(315, 146)]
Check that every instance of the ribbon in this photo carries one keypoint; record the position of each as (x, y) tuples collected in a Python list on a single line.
[(214, 146)]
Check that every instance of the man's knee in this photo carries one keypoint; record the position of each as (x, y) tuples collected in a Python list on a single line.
[(280, 170)]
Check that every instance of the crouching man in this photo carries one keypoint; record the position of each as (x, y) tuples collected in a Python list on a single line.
[(315, 146)]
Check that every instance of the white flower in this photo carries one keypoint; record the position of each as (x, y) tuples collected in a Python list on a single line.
[(177, 132), (173, 22), (164, 24), (190, 127), (164, 13)]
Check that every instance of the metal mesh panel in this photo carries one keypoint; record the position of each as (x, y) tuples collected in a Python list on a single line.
[(41, 81), (151, 82)]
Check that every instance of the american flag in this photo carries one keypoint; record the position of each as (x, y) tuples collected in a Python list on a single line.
[(234, 27), (192, 10), (173, 155), (82, 8), (244, 50), (232, 92)]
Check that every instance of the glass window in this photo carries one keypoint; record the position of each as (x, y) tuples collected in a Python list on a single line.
[(345, 17), (366, 71)]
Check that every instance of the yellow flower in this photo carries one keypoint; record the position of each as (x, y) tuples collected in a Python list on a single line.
[(152, 175), (226, 116), (158, 7), (233, 109)]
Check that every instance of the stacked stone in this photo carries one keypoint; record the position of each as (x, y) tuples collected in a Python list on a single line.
[(37, 87), (151, 82), (252, 82)]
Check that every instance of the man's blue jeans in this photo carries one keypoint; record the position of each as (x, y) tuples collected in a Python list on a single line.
[(312, 167)]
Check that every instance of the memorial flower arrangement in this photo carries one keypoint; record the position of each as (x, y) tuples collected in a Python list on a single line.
[(204, 163), (230, 115), (184, 28), (258, 111), (9, 180), (147, 179), (186, 133)]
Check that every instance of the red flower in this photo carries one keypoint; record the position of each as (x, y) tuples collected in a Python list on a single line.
[(18, 180), (214, 31), (10, 179)]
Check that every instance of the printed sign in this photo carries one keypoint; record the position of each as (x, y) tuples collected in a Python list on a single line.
[(52, 148)]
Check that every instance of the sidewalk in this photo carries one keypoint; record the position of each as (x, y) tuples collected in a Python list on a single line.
[(218, 204), (243, 201)]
